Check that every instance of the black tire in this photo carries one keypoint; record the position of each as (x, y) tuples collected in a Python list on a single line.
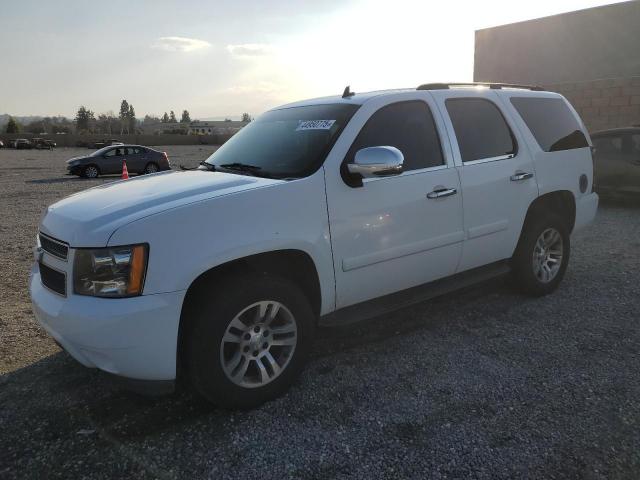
[(88, 172), (151, 167), (209, 322), (523, 259)]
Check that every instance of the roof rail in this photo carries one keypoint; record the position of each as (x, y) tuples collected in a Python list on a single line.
[(493, 86)]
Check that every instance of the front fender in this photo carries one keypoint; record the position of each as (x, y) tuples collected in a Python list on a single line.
[(187, 241)]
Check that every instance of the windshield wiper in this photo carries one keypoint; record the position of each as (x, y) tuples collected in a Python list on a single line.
[(243, 167), (208, 166)]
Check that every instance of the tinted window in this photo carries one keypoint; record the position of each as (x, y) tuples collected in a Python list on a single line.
[(408, 126), (608, 145), (480, 129), (111, 153), (551, 122), (635, 144)]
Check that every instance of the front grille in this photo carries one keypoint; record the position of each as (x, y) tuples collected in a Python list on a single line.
[(53, 279), (54, 247)]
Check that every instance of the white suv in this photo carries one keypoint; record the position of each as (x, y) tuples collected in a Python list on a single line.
[(328, 210)]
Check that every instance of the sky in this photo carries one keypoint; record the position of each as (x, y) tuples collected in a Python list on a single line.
[(222, 58)]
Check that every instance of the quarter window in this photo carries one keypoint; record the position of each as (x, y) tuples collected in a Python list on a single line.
[(553, 125), (408, 126), (480, 128)]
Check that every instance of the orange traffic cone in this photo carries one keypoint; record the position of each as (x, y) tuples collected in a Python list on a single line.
[(125, 172)]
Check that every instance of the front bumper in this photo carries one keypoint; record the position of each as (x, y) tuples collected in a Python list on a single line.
[(586, 209), (131, 337), (74, 169)]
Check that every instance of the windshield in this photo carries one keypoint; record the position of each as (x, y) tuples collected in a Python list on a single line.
[(292, 142), (102, 151)]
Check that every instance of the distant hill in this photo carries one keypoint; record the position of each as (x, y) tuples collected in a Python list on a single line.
[(4, 119)]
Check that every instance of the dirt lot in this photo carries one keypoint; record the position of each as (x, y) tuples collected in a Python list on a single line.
[(484, 383)]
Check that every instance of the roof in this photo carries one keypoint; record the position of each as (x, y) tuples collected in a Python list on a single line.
[(616, 130), (361, 98)]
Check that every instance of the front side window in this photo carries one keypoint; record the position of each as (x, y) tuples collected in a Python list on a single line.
[(286, 143), (635, 145), (480, 128), (408, 126), (112, 153), (551, 122)]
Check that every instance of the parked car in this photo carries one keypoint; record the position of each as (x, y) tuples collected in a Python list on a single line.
[(42, 144), (108, 160), (23, 143), (319, 212), (105, 143), (617, 160)]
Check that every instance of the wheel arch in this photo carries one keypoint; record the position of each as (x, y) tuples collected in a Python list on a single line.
[(561, 202), (294, 265)]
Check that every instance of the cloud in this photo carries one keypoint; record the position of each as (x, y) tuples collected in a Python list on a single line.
[(180, 44), (249, 50)]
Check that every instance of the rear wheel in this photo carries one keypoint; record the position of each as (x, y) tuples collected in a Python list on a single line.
[(151, 168), (542, 255), (90, 171), (249, 341)]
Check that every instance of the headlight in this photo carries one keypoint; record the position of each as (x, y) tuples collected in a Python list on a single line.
[(110, 272)]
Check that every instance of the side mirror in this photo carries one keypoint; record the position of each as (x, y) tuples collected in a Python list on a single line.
[(377, 162)]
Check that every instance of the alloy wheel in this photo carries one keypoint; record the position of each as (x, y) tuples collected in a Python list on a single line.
[(258, 344), (547, 255)]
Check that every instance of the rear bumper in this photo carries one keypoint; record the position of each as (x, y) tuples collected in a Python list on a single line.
[(586, 208), (129, 337)]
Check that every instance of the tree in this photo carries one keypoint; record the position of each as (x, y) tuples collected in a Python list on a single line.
[(246, 117), (165, 118), (107, 123), (13, 126), (124, 116), (172, 117), (84, 119), (132, 119), (185, 117)]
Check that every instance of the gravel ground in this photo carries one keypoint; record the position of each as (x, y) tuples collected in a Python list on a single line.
[(484, 383)]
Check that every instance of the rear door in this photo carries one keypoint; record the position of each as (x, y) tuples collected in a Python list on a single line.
[(612, 160), (496, 173), (135, 159), (634, 163)]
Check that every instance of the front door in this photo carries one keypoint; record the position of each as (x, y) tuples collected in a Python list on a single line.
[(112, 162), (388, 234)]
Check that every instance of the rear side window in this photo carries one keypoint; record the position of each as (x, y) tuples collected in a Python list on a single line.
[(480, 128), (553, 125), (408, 126)]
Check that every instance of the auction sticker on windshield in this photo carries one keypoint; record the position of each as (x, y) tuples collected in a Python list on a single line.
[(315, 124)]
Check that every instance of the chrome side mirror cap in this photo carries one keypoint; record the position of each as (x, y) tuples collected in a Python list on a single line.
[(374, 162)]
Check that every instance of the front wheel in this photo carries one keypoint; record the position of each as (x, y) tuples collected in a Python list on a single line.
[(542, 255), (249, 341), (90, 171)]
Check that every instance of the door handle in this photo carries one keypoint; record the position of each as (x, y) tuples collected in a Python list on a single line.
[(442, 192), (519, 176)]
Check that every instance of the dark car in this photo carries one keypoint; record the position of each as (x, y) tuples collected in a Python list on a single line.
[(108, 160), (617, 160), (43, 144), (104, 143), (23, 143)]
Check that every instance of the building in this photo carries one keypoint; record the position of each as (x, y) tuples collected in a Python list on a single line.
[(215, 127), (591, 56)]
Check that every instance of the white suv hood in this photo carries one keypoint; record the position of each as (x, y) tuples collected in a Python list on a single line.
[(89, 218)]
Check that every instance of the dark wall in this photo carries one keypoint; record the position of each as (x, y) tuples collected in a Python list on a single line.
[(601, 42)]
